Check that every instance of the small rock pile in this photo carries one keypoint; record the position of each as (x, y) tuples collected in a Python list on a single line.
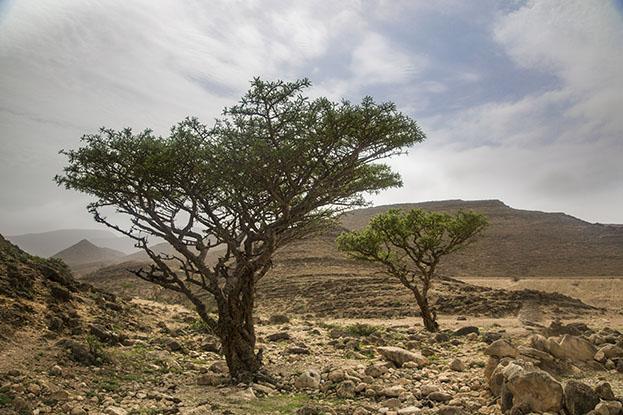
[(523, 379)]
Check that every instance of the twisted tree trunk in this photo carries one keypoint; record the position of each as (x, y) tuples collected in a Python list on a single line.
[(236, 330)]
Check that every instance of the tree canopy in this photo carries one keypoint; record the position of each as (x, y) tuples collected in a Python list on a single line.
[(273, 168)]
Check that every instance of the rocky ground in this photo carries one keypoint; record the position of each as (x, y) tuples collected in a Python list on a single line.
[(167, 363), (69, 348)]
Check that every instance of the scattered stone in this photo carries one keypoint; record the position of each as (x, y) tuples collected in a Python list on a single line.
[(579, 398), (279, 336), (457, 365), (464, 331), (399, 356), (604, 391), (309, 379), (345, 389), (442, 337)]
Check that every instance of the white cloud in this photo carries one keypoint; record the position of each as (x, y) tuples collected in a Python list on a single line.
[(580, 42), (68, 67), (377, 61), (559, 149)]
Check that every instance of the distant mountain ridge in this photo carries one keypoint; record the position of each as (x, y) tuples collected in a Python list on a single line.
[(85, 252), (46, 244)]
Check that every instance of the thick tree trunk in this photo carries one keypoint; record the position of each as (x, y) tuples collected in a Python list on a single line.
[(237, 332), (239, 350)]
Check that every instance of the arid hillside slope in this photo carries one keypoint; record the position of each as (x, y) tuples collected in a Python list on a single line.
[(523, 243), (41, 296)]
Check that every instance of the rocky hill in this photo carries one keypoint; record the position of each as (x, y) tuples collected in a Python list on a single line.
[(84, 252), (40, 295)]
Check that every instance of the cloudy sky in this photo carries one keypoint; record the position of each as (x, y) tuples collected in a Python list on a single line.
[(521, 101)]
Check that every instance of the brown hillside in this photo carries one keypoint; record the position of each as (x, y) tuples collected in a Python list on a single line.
[(523, 243)]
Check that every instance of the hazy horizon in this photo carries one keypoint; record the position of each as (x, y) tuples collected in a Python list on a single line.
[(526, 116)]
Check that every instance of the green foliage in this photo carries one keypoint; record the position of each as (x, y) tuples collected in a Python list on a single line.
[(412, 241), (5, 400), (96, 348), (277, 160), (361, 329), (198, 325)]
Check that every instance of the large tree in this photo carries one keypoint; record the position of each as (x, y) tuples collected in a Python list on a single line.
[(410, 244), (275, 167)]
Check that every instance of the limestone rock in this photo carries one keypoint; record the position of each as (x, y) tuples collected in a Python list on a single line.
[(501, 348), (572, 348), (309, 379), (535, 390), (399, 356)]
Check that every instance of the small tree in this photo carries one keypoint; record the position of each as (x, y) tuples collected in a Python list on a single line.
[(276, 167), (409, 244)]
